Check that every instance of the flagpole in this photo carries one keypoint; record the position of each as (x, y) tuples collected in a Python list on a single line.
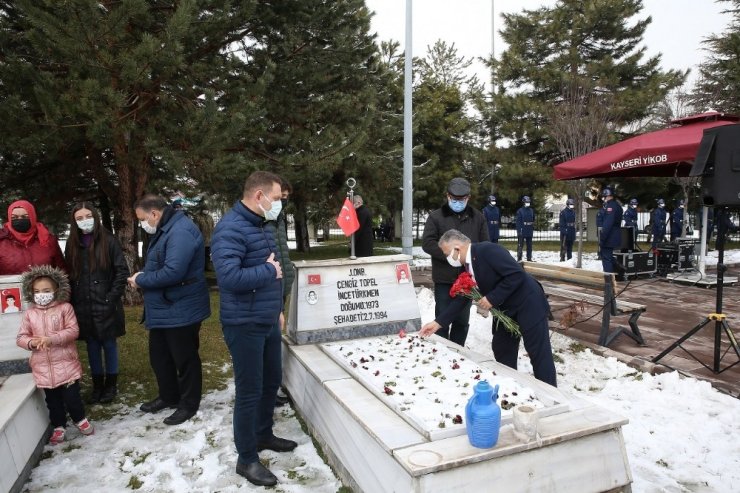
[(407, 240), (351, 183)]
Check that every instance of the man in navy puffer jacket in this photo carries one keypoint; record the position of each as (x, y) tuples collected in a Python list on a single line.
[(243, 251), (175, 303)]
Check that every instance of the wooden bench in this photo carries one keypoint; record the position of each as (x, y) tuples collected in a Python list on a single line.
[(607, 299)]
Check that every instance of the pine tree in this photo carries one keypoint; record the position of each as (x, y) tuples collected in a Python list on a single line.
[(575, 45), (718, 87), (122, 97)]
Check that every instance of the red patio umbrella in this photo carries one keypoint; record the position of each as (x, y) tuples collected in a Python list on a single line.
[(661, 153)]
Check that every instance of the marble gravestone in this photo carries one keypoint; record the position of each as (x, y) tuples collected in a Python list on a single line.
[(342, 299), (24, 420)]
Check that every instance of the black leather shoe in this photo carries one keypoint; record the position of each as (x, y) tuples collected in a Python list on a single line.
[(179, 416), (256, 474), (156, 405), (276, 444), (281, 400)]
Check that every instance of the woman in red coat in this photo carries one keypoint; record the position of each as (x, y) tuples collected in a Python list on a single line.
[(25, 242)]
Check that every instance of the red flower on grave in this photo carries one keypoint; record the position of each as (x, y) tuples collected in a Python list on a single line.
[(457, 419), (388, 390), (401, 333)]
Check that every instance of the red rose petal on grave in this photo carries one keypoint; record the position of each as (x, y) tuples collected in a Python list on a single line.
[(477, 376), (401, 333), (457, 419), (377, 372), (455, 366), (388, 390)]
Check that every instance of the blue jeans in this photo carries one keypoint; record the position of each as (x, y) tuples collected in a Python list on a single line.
[(256, 355), (95, 351), (457, 332)]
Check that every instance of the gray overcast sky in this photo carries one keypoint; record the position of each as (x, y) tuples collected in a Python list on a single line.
[(676, 32)]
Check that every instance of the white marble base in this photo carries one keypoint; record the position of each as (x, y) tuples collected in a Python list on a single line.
[(24, 421), (373, 449)]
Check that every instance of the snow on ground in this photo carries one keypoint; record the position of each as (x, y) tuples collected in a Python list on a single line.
[(681, 437)]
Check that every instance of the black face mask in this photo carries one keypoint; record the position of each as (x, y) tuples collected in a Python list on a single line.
[(284, 202), (21, 225)]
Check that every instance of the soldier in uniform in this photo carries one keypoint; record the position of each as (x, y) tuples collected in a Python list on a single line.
[(567, 230), (677, 221), (658, 221), (611, 230), (630, 219), (493, 218), (524, 228)]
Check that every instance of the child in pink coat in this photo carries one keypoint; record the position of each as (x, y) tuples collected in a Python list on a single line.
[(49, 330)]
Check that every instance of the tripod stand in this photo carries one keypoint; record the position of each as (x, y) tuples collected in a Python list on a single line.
[(719, 318)]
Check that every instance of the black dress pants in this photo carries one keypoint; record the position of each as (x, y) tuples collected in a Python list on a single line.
[(173, 354)]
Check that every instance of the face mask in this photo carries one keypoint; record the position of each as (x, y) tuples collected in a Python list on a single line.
[(274, 211), (457, 206), (493, 202), (148, 227), (570, 206), (526, 204), (661, 205), (633, 206), (43, 299), (86, 225), (21, 225), (454, 262)]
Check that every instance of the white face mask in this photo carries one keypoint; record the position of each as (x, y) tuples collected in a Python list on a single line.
[(570, 206), (86, 225), (148, 227), (493, 202), (452, 261), (526, 204), (43, 299), (274, 211), (634, 206)]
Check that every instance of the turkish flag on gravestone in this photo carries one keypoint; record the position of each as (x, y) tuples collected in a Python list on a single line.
[(347, 218)]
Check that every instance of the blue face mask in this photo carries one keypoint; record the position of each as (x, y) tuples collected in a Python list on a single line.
[(457, 206)]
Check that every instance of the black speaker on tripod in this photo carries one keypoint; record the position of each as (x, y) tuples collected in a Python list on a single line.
[(718, 163)]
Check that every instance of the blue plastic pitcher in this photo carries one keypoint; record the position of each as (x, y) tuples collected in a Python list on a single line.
[(483, 416)]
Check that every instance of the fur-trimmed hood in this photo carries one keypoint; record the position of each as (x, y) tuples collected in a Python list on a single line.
[(57, 275)]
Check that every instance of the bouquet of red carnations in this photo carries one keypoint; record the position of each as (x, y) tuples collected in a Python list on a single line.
[(466, 286)]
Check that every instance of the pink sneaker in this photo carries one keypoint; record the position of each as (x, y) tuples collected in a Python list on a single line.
[(57, 436), (85, 427)]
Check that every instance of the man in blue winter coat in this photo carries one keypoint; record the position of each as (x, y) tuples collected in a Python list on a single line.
[(524, 228), (611, 230), (567, 225), (505, 285), (175, 303), (659, 220), (493, 218), (244, 255)]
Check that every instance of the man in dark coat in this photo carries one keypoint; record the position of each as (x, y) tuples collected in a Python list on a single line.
[(504, 285), (611, 230), (524, 228), (176, 301), (249, 279), (457, 214), (364, 235), (658, 221), (493, 218), (567, 225), (677, 221), (630, 219)]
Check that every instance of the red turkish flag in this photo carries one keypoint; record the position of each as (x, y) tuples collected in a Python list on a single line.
[(347, 218)]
